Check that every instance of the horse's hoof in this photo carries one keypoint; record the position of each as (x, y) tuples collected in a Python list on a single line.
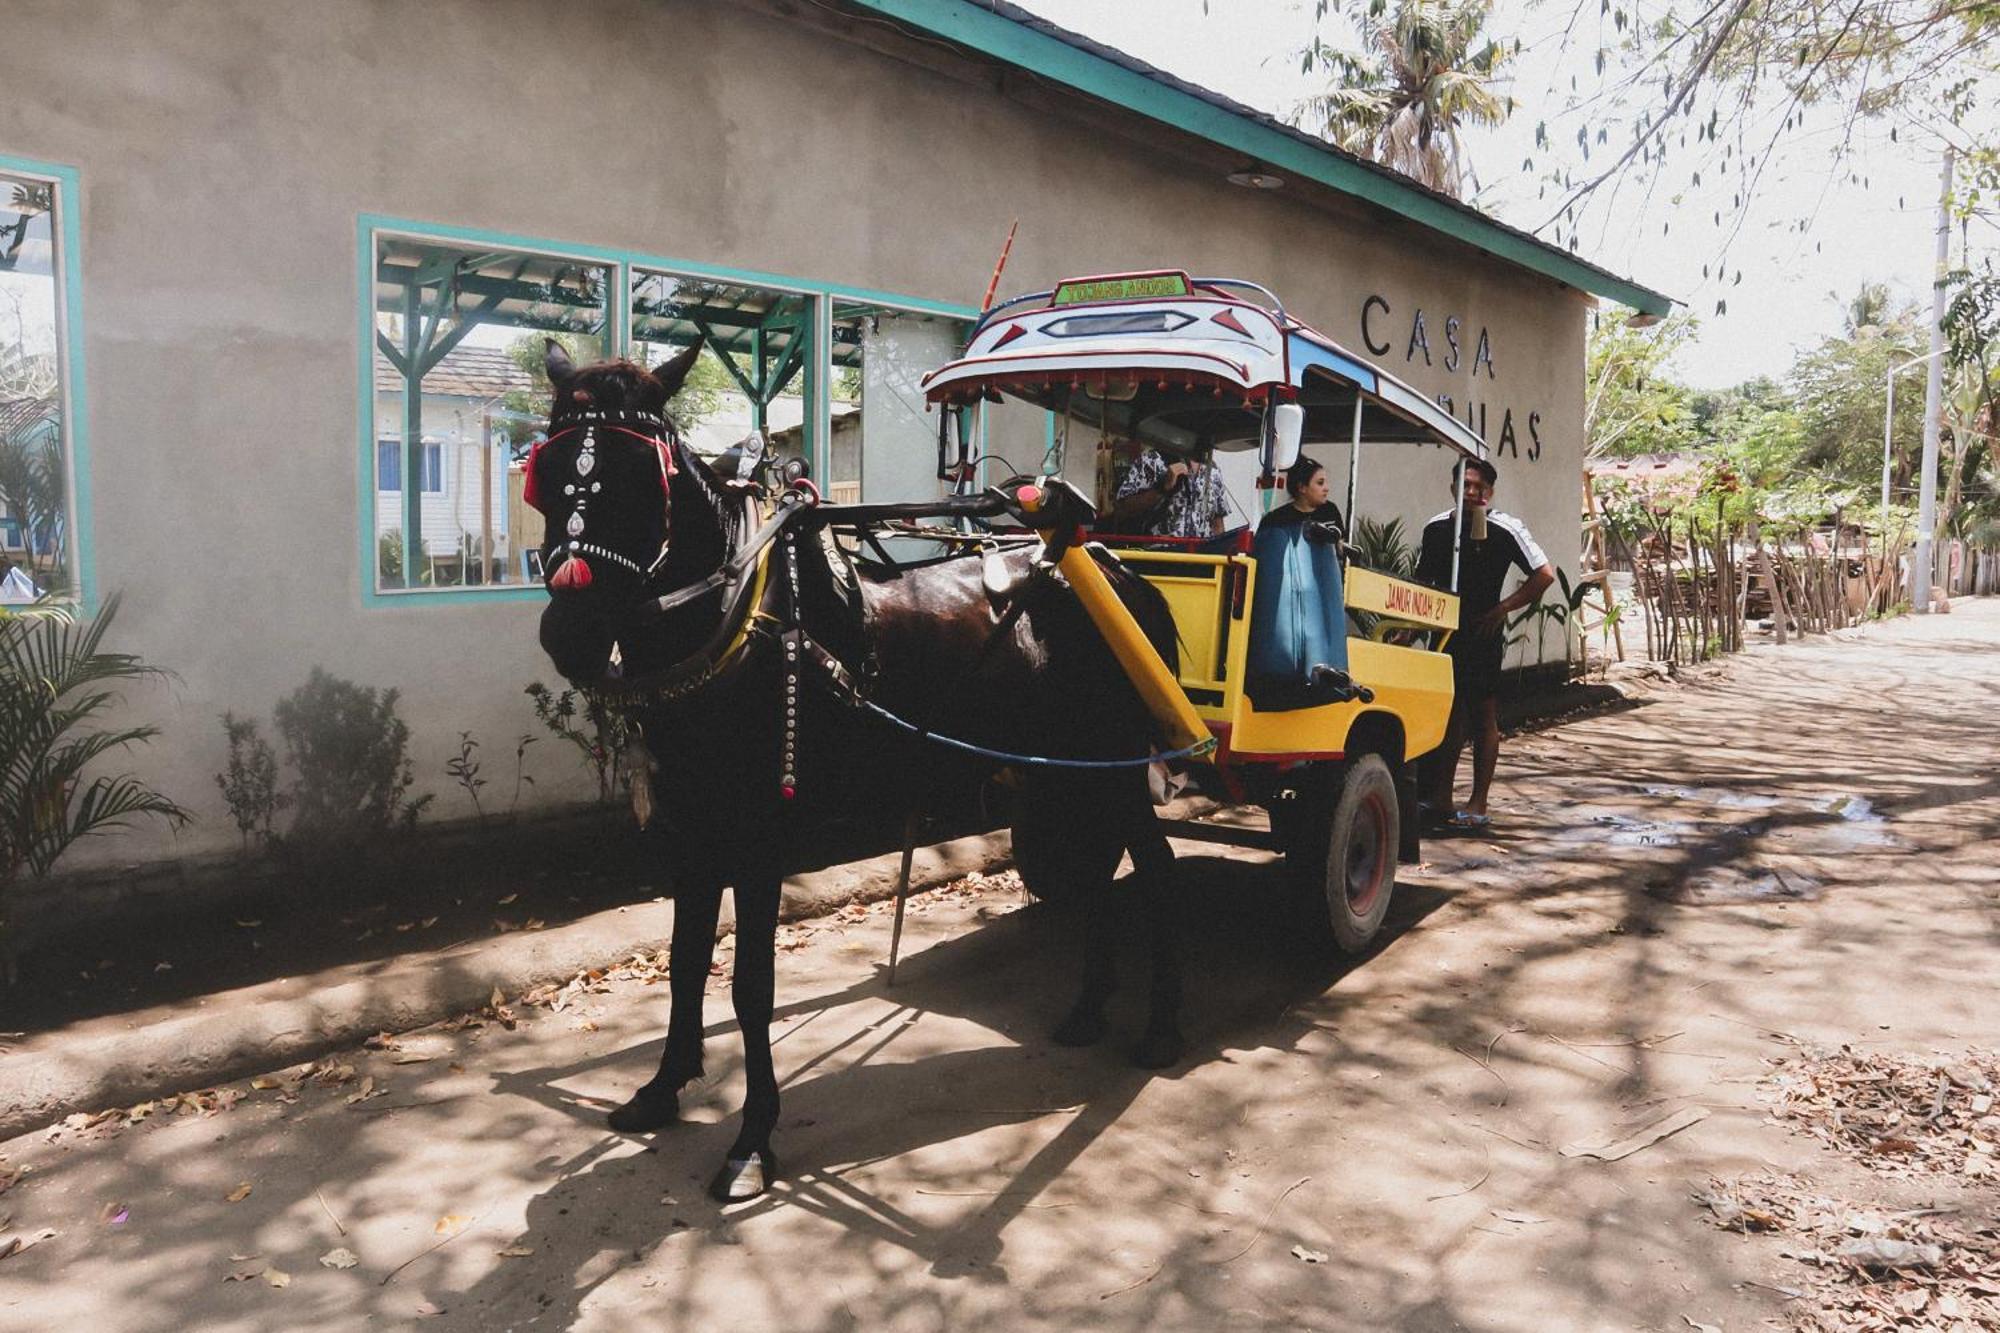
[(1159, 1050), (1079, 1029), (743, 1177), (646, 1112)]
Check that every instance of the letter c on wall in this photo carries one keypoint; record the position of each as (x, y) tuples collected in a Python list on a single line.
[(1367, 339)]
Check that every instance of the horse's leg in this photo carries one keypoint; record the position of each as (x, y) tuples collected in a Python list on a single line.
[(1084, 1024), (697, 903), (1156, 878), (751, 1166)]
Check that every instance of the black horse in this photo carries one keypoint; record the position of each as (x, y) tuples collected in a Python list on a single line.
[(750, 708)]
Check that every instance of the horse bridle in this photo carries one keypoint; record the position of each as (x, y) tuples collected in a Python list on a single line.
[(571, 569)]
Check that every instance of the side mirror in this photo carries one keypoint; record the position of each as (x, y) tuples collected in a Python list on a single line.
[(1288, 427)]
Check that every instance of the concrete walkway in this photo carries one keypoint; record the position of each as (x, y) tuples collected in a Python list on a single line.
[(1801, 850)]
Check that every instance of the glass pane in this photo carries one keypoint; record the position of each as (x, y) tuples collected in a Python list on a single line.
[(884, 438), (459, 395), (756, 356), (35, 555)]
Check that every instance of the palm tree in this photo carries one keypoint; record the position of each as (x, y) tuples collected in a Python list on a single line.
[(1421, 75), (55, 680)]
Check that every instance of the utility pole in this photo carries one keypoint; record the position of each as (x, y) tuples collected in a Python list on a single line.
[(1921, 578)]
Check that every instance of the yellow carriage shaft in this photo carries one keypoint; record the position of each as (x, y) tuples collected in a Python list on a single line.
[(1162, 693)]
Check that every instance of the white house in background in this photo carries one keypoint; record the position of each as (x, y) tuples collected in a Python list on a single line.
[(465, 463)]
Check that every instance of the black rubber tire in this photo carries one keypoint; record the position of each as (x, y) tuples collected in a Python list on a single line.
[(1363, 835), (1061, 853)]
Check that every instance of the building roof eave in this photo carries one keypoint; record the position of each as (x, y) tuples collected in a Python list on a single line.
[(999, 31)]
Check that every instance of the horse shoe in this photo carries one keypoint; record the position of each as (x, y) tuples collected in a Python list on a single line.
[(744, 1178)]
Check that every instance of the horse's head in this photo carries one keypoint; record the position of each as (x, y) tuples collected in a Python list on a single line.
[(607, 481)]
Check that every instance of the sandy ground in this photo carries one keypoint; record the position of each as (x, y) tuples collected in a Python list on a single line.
[(1368, 1145)]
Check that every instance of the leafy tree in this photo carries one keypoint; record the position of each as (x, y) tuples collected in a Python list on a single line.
[(1631, 406), (1425, 69), (1839, 392)]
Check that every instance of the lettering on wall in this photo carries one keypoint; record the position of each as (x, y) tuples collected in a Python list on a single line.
[(1381, 325)]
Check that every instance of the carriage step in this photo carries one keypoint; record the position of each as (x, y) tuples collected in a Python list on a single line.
[(1233, 835)]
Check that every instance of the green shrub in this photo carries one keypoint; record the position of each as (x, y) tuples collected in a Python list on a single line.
[(55, 681), (250, 783), (598, 735)]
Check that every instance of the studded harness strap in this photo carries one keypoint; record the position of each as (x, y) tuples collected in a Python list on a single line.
[(571, 569)]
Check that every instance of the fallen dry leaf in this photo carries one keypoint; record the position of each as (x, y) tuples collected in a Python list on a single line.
[(339, 1258), (239, 1194), (498, 999), (277, 1277), (243, 1258), (113, 1214), (364, 1092), (448, 1223), (1310, 1256), (243, 1275), (412, 1059), (1701, 1328), (516, 1252), (264, 1083)]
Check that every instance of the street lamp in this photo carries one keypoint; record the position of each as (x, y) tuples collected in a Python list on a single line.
[(1889, 419)]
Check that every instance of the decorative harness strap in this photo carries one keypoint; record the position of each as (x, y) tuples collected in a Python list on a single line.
[(571, 569)]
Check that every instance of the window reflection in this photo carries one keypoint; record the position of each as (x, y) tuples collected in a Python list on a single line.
[(35, 555), (459, 394)]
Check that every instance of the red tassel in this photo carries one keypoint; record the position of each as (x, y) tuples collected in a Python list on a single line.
[(573, 574)]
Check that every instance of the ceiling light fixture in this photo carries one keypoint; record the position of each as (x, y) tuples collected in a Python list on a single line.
[(1254, 177)]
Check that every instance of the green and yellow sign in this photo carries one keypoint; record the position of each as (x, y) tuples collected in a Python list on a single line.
[(1122, 287)]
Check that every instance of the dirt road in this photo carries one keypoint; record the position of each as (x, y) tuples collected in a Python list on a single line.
[(1799, 851)]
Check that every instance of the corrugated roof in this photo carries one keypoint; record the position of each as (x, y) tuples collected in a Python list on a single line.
[(954, 20), (465, 372)]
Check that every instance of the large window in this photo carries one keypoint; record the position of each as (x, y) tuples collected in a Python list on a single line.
[(459, 393), (38, 556)]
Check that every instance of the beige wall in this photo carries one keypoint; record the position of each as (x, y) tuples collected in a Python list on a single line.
[(226, 148)]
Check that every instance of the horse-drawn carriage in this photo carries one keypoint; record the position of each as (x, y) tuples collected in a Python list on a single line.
[(778, 682), (1183, 365)]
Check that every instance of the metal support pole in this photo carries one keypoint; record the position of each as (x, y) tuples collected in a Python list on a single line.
[(1458, 523), (1354, 461), (1889, 417), (1920, 565), (902, 891)]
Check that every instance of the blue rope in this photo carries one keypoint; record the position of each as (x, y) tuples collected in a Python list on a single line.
[(1033, 760)]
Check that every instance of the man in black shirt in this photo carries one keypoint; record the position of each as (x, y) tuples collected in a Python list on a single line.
[(1493, 544)]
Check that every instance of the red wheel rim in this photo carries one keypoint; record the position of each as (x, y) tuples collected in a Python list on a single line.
[(1367, 856)]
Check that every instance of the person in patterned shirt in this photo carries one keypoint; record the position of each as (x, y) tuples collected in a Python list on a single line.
[(1171, 497)]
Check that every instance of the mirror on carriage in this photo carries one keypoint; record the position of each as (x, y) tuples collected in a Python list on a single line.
[(459, 396), (756, 365), (35, 557)]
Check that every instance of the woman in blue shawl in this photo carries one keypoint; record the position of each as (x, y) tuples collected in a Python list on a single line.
[(1298, 622)]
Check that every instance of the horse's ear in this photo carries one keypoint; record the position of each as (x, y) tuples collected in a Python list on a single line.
[(557, 362), (673, 372)]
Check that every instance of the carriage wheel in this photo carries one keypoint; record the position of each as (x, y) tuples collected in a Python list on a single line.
[(1359, 874), (1060, 851)]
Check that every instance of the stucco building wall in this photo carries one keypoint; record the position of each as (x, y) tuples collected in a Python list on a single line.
[(226, 149)]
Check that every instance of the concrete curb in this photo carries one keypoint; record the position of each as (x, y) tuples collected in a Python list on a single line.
[(250, 1031)]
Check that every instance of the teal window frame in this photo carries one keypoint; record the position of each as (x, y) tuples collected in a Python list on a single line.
[(369, 226), (69, 337)]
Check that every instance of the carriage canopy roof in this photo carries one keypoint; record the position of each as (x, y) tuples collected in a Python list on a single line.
[(1184, 363)]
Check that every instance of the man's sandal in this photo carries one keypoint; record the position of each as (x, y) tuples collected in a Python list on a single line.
[(1467, 819)]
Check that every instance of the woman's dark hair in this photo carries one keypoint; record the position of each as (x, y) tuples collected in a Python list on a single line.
[(1300, 473)]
